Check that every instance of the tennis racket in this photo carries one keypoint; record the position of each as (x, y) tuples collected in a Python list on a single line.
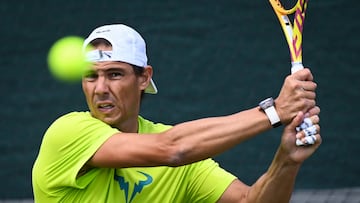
[(293, 34)]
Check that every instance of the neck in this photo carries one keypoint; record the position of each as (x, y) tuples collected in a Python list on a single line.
[(128, 126)]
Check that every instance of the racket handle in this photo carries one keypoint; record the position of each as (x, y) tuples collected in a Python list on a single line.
[(296, 66)]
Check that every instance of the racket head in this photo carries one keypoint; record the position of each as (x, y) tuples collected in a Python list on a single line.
[(292, 31), (276, 4)]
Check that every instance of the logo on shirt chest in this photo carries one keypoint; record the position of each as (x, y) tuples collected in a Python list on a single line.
[(135, 187)]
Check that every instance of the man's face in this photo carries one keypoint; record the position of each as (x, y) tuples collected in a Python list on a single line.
[(113, 92)]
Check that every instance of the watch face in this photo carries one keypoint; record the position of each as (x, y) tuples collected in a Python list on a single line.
[(269, 102)]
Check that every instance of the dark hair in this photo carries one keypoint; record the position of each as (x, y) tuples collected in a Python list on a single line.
[(139, 71), (99, 41)]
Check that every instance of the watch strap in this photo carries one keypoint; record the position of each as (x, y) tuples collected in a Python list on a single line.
[(273, 116)]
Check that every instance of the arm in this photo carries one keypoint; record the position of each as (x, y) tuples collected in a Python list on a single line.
[(276, 185), (184, 143), (196, 140)]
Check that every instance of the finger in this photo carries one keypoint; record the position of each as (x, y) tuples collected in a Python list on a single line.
[(312, 130), (313, 111), (307, 122), (309, 94), (315, 119), (306, 141), (305, 100), (308, 85), (309, 104), (299, 143), (311, 140), (318, 139), (297, 120), (304, 75), (304, 95)]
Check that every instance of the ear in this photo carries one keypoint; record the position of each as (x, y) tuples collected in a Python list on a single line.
[(144, 80)]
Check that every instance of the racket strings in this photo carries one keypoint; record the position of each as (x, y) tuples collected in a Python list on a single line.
[(282, 10)]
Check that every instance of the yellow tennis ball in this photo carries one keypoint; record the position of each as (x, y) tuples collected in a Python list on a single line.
[(67, 60)]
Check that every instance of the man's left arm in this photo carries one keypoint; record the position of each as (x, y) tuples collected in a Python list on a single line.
[(276, 185)]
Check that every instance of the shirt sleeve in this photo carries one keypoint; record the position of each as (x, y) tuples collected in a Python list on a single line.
[(68, 144), (208, 181)]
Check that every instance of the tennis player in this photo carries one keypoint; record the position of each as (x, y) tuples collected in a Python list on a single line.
[(112, 154)]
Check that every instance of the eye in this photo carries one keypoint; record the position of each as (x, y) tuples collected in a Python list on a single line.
[(115, 75), (90, 76)]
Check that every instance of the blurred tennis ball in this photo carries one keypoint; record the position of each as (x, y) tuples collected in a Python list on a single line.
[(66, 59)]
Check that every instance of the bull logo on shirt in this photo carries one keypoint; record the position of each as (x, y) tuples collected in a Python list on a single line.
[(138, 187)]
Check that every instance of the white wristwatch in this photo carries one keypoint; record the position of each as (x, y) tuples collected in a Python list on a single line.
[(268, 106)]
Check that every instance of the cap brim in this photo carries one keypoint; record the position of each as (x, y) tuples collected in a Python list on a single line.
[(151, 89)]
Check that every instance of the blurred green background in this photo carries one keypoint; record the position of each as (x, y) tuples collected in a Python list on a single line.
[(210, 58)]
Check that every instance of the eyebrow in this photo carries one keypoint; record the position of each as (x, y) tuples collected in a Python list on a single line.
[(110, 68), (122, 70), (114, 69)]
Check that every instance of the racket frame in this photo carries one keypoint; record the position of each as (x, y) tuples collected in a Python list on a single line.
[(292, 32)]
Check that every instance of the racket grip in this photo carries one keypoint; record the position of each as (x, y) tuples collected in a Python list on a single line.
[(296, 66)]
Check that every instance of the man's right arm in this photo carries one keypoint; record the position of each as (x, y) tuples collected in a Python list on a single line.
[(196, 140), (183, 144)]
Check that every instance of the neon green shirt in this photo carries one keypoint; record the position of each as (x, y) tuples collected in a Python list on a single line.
[(71, 141)]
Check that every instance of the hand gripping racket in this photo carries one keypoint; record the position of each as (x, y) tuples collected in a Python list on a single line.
[(293, 35)]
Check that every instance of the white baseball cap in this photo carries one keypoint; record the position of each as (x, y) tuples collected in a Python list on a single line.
[(127, 46)]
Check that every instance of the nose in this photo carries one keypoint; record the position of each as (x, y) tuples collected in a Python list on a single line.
[(102, 86)]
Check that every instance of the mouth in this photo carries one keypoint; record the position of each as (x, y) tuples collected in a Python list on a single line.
[(105, 106)]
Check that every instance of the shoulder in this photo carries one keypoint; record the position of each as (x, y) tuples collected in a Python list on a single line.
[(74, 125), (77, 115), (147, 126), (78, 119)]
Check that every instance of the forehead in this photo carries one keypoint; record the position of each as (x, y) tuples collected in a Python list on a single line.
[(103, 47), (111, 65)]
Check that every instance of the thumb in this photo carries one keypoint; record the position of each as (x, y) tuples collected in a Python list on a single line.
[(297, 120)]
